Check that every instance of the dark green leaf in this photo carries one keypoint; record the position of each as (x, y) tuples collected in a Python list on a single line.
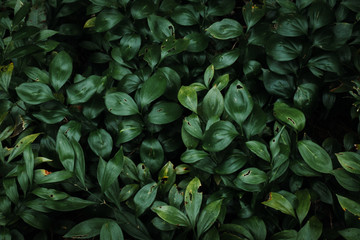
[(198, 42), (60, 70), (34, 93), (101, 143), (315, 156), (120, 104), (67, 204), (285, 235), (279, 202), (320, 14), (164, 112), (152, 154), (350, 233), (43, 176), (283, 49), (226, 59), (153, 88), (232, 163), (145, 197), (259, 149), (66, 152), (188, 98), (349, 205), (107, 19), (213, 104), (252, 14), (193, 156), (5, 76), (312, 230), (303, 197), (291, 116), (87, 229), (346, 180), (350, 161), (238, 102), (208, 216), (109, 171), (282, 86), (225, 29), (193, 200), (128, 130), (82, 91), (35, 219), (185, 15), (325, 62), (252, 176), (160, 28), (129, 46), (172, 215), (219, 136), (111, 231), (37, 74), (292, 25), (142, 8)]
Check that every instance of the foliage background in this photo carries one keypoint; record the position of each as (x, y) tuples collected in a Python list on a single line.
[(171, 119)]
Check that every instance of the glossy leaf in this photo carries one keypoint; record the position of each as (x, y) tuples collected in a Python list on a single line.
[(67, 204), (350, 161), (22, 145), (252, 14), (60, 70), (145, 197), (193, 200), (279, 202), (219, 136), (34, 93), (87, 229), (128, 130), (213, 104), (350, 233), (252, 176), (188, 98), (191, 125), (164, 112), (259, 149), (225, 29), (282, 49), (5, 76), (311, 230), (208, 216), (82, 91), (107, 19), (109, 171), (152, 154), (111, 230), (120, 104), (66, 152), (160, 27), (303, 197), (193, 156), (315, 156), (238, 102), (100, 142), (349, 205), (172, 215), (225, 59), (292, 26), (152, 89), (291, 116)]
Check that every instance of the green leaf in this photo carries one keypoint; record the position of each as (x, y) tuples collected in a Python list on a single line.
[(220, 8), (160, 28), (301, 4), (234, 162), (305, 96), (166, 177), (251, 68), (21, 145), (346, 180), (252, 176), (285, 235), (172, 215), (208, 216), (238, 102), (128, 191), (188, 98), (320, 14), (193, 200), (350, 161), (292, 25), (291, 116), (66, 152), (164, 112), (34, 93), (279, 202), (208, 75), (198, 42), (52, 116), (315, 156), (51, 194), (145, 197), (152, 154), (111, 231), (256, 122), (303, 198), (351, 4), (226, 59), (79, 167), (129, 46), (193, 156), (29, 162), (128, 130), (350, 233), (312, 230), (172, 46), (282, 86), (68, 204), (153, 88), (349, 205), (192, 126), (108, 172), (142, 8), (43, 176), (256, 227), (82, 91), (225, 29), (185, 15), (11, 189), (259, 149), (37, 74), (252, 14), (87, 229), (101, 143), (121, 104), (325, 62), (60, 70), (35, 219), (213, 104), (219, 136), (107, 19), (283, 49), (5, 76)]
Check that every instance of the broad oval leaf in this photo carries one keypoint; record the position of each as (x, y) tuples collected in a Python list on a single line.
[(252, 176), (153, 88), (226, 59), (192, 126), (100, 142), (219, 136), (152, 154), (34, 93), (225, 29), (282, 49), (172, 215), (193, 156), (128, 130), (349, 205), (252, 14), (259, 149), (164, 112), (107, 19), (82, 91), (304, 202), (279, 202), (292, 25), (66, 151), (238, 102), (145, 197), (213, 104), (291, 116), (111, 231), (87, 229), (187, 96), (160, 28), (121, 104), (350, 161), (315, 156), (208, 216), (311, 230), (60, 69)]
